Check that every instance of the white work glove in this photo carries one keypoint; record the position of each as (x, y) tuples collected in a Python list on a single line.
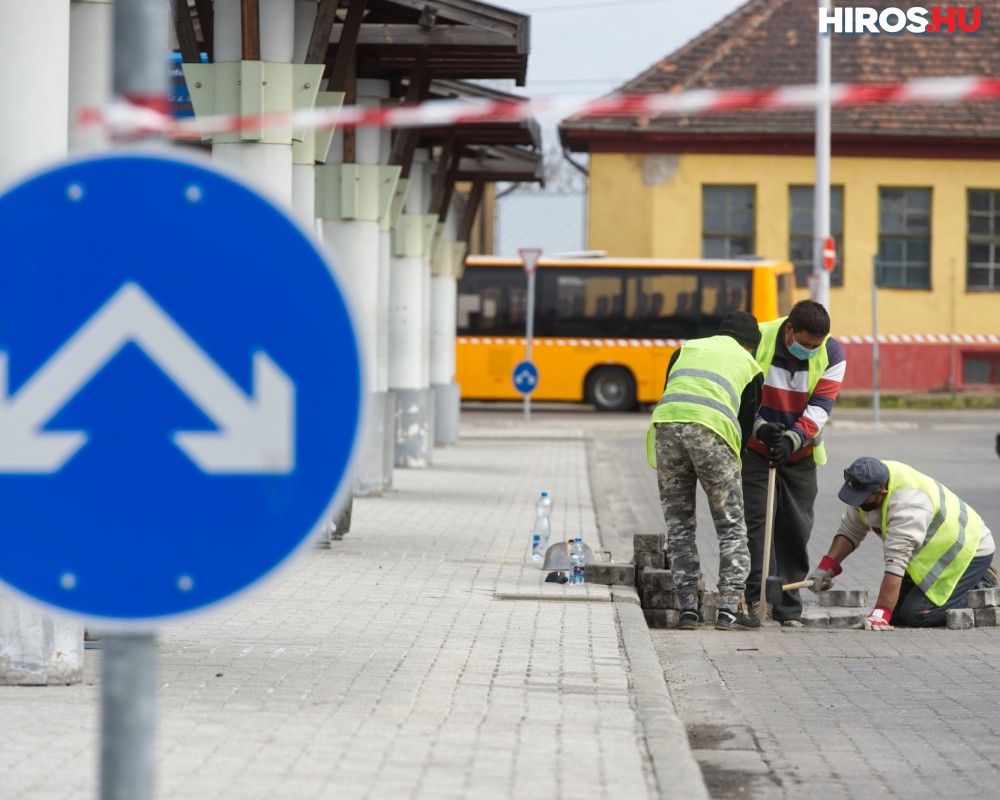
[(822, 577), (878, 620)]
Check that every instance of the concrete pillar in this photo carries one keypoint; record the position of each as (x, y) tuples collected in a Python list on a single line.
[(314, 144), (89, 69), (353, 201), (267, 160), (409, 323), (387, 415), (446, 269), (273, 85), (36, 647)]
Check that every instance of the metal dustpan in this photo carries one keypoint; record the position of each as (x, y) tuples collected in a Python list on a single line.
[(557, 556)]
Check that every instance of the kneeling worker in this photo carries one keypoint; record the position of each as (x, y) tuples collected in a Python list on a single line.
[(936, 546)]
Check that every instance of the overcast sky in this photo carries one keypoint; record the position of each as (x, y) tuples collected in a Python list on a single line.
[(586, 48)]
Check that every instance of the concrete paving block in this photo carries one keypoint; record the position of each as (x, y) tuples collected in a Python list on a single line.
[(709, 613), (647, 543), (709, 597), (624, 594), (847, 620), (657, 580), (959, 619), (984, 598), (987, 617), (663, 618), (844, 598), (816, 620), (666, 558), (653, 560), (661, 600), (609, 574)]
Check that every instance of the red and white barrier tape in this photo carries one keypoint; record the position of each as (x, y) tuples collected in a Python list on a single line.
[(123, 117), (892, 338)]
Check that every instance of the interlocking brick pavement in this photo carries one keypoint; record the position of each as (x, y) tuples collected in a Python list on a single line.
[(422, 656), (838, 713)]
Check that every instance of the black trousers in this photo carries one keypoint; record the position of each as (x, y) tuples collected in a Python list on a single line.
[(794, 498), (914, 609)]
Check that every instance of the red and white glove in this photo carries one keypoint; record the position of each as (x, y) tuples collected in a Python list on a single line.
[(878, 620), (822, 577)]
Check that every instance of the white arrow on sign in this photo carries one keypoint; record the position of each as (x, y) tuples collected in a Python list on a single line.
[(525, 376), (255, 434)]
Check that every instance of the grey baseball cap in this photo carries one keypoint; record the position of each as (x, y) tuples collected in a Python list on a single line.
[(863, 477)]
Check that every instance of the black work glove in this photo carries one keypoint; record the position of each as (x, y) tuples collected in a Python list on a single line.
[(778, 455), (769, 433)]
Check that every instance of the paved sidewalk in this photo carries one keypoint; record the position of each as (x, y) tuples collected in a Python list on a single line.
[(422, 656)]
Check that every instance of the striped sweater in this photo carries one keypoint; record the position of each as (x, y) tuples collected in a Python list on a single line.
[(786, 397)]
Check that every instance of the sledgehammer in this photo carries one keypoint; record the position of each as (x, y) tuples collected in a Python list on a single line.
[(774, 588)]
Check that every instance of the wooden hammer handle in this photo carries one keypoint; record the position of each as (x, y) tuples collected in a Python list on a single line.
[(797, 585)]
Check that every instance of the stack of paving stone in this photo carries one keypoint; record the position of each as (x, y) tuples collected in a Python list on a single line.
[(654, 583), (983, 611), (838, 609)]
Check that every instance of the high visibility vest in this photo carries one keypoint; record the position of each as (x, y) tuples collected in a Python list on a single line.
[(816, 365), (704, 387), (951, 540)]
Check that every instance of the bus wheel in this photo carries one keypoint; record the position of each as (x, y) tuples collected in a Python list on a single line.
[(611, 389)]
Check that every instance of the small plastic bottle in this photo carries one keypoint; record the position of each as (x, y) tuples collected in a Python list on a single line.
[(541, 533), (577, 562)]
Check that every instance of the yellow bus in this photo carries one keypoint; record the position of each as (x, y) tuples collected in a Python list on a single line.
[(604, 327)]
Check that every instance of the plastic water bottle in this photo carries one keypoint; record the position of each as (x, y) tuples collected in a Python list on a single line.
[(541, 533), (577, 562)]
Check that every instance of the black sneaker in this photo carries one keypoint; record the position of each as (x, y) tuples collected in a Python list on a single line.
[(690, 621), (735, 621)]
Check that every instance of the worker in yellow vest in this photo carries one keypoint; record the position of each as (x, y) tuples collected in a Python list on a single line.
[(936, 546), (697, 433), (803, 369)]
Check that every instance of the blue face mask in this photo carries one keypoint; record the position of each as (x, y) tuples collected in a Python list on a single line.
[(800, 352)]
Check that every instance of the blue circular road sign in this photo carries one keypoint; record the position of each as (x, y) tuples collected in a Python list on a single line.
[(525, 377), (180, 387)]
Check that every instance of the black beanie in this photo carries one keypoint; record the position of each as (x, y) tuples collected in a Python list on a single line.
[(742, 327)]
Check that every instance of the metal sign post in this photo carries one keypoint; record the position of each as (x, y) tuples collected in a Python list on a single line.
[(875, 369), (529, 260), (128, 715), (820, 285)]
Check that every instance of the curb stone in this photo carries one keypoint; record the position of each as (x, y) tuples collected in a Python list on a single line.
[(675, 770)]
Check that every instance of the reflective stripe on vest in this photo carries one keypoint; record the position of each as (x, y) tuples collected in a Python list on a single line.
[(952, 537), (816, 366), (705, 387)]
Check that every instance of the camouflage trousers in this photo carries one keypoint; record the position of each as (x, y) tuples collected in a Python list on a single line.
[(687, 453)]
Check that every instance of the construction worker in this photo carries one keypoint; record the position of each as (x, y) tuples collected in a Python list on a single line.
[(696, 433), (803, 369), (936, 546)]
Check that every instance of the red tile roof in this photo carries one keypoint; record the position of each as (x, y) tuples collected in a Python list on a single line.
[(768, 43)]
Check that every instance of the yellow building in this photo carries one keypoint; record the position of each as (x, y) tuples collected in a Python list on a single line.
[(917, 185)]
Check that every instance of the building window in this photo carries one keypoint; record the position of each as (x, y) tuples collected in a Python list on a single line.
[(727, 214), (983, 264), (904, 238), (800, 232), (981, 368)]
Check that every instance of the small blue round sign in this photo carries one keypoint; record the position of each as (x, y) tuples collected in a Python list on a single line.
[(525, 377), (180, 387)]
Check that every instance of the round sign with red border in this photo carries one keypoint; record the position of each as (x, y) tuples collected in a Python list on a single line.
[(829, 254)]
